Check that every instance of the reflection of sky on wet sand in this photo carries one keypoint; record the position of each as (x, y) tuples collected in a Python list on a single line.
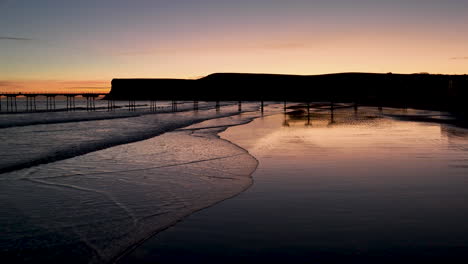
[(365, 189), (364, 136), (399, 183)]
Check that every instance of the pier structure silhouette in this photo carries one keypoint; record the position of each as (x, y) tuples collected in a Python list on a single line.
[(50, 102), (11, 104)]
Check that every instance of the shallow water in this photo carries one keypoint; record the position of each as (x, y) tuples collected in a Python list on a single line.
[(91, 206), (67, 134), (358, 187)]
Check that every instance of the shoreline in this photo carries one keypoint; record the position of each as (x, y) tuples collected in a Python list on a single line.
[(217, 134), (141, 185)]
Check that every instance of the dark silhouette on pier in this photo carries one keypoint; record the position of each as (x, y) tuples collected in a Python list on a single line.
[(423, 91)]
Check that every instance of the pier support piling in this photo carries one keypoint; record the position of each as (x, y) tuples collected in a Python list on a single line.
[(90, 102), (12, 106), (153, 105), (70, 102), (29, 104), (110, 104), (50, 102), (131, 105)]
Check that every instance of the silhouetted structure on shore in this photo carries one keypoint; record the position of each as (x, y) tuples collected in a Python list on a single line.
[(425, 91), (31, 106)]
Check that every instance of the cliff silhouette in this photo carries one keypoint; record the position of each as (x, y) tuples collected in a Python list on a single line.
[(424, 91)]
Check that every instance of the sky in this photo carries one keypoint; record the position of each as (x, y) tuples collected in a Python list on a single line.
[(82, 45)]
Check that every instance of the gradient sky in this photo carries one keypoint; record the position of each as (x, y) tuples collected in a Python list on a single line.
[(47, 44)]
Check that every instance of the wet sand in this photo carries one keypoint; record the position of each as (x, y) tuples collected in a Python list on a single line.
[(357, 187)]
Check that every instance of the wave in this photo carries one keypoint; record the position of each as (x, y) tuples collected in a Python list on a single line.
[(25, 147)]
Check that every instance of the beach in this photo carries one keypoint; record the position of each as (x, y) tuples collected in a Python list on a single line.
[(343, 186), (299, 185), (89, 191)]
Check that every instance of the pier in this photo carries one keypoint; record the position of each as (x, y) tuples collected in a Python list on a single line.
[(10, 104), (31, 104)]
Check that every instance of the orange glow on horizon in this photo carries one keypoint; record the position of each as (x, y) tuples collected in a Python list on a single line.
[(293, 52), (54, 86)]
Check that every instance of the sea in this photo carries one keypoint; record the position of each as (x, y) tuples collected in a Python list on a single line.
[(219, 185), (87, 186)]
